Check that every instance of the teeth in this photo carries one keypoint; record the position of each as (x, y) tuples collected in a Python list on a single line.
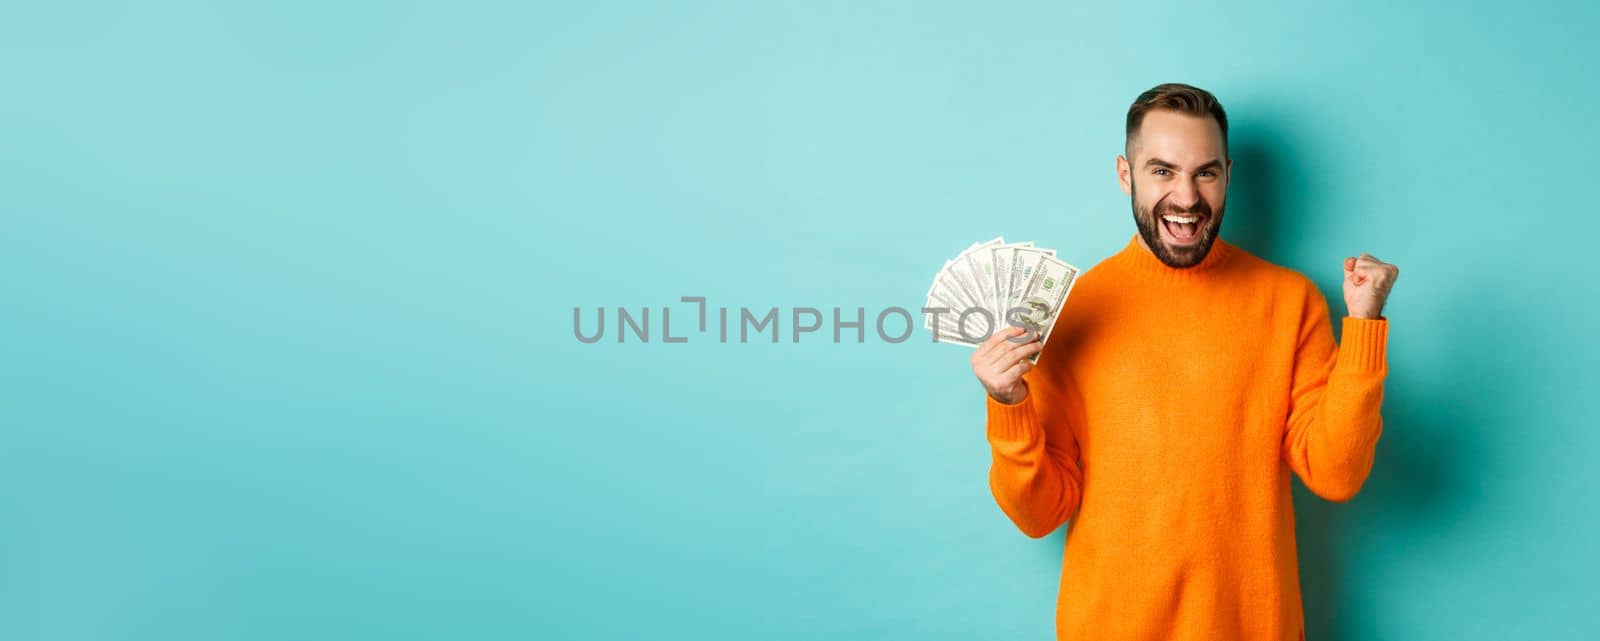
[(1180, 219)]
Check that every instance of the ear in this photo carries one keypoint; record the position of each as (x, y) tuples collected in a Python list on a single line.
[(1123, 176)]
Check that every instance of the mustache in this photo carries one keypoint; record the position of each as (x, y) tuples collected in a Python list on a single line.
[(1200, 208)]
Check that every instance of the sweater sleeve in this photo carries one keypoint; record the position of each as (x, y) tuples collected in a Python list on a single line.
[(1035, 475), (1334, 420)]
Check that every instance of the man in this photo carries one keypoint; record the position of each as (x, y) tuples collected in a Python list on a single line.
[(1187, 378)]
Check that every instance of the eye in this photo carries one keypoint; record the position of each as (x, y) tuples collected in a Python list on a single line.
[(1161, 171)]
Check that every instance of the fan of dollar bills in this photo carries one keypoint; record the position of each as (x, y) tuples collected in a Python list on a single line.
[(993, 285)]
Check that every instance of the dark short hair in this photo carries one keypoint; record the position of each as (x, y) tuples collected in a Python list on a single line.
[(1179, 97)]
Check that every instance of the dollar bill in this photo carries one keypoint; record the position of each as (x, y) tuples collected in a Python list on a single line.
[(1001, 257), (968, 273), (1041, 298), (1023, 262)]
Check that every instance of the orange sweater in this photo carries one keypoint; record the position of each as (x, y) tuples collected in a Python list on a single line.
[(1163, 419)]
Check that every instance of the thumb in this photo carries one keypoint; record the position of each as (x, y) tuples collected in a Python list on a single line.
[(1350, 273)]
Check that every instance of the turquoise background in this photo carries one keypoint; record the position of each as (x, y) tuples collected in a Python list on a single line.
[(286, 338)]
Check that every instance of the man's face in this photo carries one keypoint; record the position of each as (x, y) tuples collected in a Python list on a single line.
[(1176, 172)]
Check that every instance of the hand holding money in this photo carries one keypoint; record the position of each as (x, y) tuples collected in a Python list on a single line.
[(1000, 362), (994, 286)]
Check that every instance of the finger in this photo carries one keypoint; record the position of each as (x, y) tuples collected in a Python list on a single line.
[(1012, 346), (1375, 270), (999, 359), (1014, 335), (1021, 351), (1005, 339), (1349, 263), (987, 347), (1009, 335), (1011, 374), (1025, 350), (985, 351), (1380, 277)]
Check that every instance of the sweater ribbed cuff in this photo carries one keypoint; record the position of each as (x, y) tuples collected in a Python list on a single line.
[(1012, 423), (1364, 346)]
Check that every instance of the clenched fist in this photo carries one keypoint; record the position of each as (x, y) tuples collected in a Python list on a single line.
[(1001, 361), (1367, 282)]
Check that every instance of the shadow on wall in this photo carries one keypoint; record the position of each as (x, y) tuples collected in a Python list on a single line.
[(1422, 459)]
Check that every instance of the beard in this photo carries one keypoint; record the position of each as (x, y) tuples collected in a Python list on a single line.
[(1179, 257)]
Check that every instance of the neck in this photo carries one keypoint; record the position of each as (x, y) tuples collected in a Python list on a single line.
[(1140, 258)]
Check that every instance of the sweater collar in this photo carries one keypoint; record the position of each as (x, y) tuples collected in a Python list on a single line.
[(1138, 260)]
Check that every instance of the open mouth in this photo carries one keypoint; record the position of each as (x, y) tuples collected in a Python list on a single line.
[(1182, 229)]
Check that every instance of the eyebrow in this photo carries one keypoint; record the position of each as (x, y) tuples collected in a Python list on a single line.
[(1214, 163)]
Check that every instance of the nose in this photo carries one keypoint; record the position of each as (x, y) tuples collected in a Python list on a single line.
[(1184, 194)]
